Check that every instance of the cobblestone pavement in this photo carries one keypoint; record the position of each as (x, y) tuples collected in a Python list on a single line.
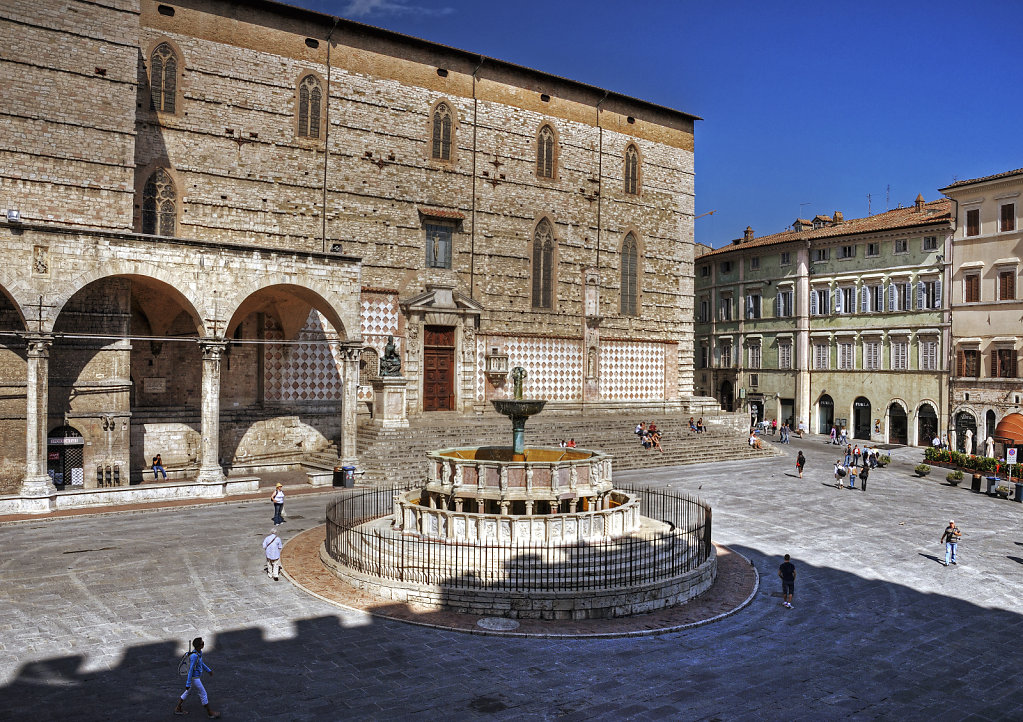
[(97, 611)]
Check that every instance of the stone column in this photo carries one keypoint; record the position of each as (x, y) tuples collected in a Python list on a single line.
[(210, 471), (37, 482), (349, 356)]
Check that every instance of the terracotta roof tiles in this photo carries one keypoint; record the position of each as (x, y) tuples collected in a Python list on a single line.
[(933, 212), (996, 176)]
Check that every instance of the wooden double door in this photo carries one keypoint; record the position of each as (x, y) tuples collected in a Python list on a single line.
[(439, 368)]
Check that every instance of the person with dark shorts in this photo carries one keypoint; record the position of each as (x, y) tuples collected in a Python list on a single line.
[(800, 463), (787, 572)]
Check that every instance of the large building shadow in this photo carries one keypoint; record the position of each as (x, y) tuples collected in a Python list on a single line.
[(853, 647)]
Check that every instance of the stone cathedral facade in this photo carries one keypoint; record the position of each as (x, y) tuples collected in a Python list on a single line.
[(218, 213)]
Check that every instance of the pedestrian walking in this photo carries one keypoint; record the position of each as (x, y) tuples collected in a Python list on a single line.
[(834, 435), (839, 473), (853, 472), (272, 546), (856, 454), (950, 538), (864, 472), (787, 574), (800, 463), (848, 455), (278, 499), (193, 678)]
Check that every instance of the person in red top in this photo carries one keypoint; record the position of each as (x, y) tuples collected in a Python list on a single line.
[(571, 443)]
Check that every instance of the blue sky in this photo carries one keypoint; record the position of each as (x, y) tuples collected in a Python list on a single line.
[(807, 107)]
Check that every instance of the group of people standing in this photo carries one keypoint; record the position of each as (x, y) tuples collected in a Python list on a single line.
[(857, 464)]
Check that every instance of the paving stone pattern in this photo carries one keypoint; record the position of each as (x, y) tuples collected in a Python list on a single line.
[(98, 609)]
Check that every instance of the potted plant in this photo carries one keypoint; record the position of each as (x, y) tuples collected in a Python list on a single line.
[(954, 477), (922, 469), (884, 460), (1002, 491)]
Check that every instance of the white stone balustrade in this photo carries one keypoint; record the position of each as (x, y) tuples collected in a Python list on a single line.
[(458, 526)]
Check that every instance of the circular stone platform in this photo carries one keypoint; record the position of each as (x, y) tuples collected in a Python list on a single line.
[(737, 582)]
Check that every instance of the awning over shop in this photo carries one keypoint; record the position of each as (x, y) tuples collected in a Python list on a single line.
[(1010, 430)]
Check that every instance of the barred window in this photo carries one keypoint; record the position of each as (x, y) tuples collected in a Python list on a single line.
[(929, 355), (872, 355), (442, 132), (158, 204), (846, 356), (785, 356), (163, 78), (900, 355), (545, 148), (310, 98), (821, 356), (632, 170), (543, 265), (630, 275)]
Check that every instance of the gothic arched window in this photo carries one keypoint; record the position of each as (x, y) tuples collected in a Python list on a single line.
[(630, 275), (543, 265), (443, 132), (163, 78), (159, 204), (632, 170), (310, 99), (545, 149)]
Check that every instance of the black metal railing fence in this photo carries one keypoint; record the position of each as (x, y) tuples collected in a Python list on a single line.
[(637, 559)]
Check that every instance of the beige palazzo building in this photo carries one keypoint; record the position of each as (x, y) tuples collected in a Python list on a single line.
[(987, 311)]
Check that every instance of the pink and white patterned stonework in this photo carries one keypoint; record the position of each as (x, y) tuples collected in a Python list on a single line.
[(554, 367), (631, 370), (308, 371)]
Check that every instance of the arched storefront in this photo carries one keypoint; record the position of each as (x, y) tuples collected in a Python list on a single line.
[(991, 422), (965, 421), (861, 418), (897, 426), (825, 414), (926, 425)]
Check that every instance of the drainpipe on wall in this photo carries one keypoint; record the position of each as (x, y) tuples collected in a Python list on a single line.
[(472, 235), (326, 143), (950, 351), (600, 178)]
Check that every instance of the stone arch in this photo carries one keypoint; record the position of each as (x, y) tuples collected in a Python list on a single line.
[(258, 296), (142, 175), (303, 130), (7, 298), (548, 143), (438, 110), (896, 424), (141, 270), (926, 421)]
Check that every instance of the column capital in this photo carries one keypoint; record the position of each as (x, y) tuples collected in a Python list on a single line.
[(39, 344), (212, 348), (350, 352)]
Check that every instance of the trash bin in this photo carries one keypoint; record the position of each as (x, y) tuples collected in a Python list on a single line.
[(975, 484), (339, 476), (348, 476), (992, 482), (1018, 495)]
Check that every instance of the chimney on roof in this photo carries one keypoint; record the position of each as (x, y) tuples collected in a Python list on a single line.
[(920, 203), (837, 218), (748, 234)]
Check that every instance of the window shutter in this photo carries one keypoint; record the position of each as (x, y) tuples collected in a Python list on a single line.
[(994, 364), (1012, 364), (865, 299), (852, 308), (813, 303), (937, 293), (838, 300), (920, 290), (892, 289), (777, 304)]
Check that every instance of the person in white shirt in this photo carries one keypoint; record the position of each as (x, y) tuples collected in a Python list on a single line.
[(278, 499), (272, 546)]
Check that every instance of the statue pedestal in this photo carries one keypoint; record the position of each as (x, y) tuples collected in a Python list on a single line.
[(389, 401)]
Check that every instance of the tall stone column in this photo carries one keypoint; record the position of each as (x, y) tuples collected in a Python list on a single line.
[(210, 471), (37, 482), (802, 360), (349, 356)]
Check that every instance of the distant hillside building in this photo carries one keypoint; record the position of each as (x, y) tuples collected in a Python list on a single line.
[(836, 322)]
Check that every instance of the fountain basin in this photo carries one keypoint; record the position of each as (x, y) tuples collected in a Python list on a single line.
[(518, 407)]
